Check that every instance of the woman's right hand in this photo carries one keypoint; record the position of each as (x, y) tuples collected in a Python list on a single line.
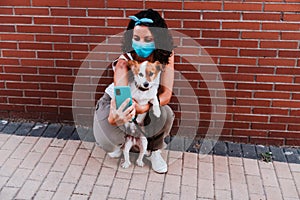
[(118, 116)]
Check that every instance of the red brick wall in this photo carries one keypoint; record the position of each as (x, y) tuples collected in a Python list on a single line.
[(254, 43)]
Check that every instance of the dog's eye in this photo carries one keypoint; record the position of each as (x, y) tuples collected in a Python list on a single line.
[(141, 74), (151, 73)]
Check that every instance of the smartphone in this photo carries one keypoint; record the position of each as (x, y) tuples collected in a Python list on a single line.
[(121, 94)]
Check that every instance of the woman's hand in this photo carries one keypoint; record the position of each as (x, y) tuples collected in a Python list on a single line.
[(118, 116), (140, 109)]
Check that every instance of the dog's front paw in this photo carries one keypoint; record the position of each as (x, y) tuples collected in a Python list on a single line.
[(140, 163), (125, 164), (156, 111)]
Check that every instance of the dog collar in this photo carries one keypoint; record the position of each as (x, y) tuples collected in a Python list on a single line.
[(141, 88)]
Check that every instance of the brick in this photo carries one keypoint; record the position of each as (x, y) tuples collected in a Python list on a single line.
[(8, 192), (68, 12), (282, 7), (106, 176), (56, 3), (287, 104), (239, 191), (31, 11), (153, 190), (241, 25), (135, 194), (222, 181), (65, 55), (292, 54), (28, 190), (40, 171), (262, 16), (18, 178), (273, 193), (166, 5), (258, 53), (9, 167), (280, 26), (21, 151), (73, 174), (201, 24), (278, 44), (129, 4), (52, 38), (85, 184), (290, 35), (173, 14), (43, 195), (15, 20), (242, 6), (222, 15), (239, 43), (269, 177), (188, 192), (288, 188), (105, 12), (270, 111), (119, 188), (62, 163), (205, 188), (220, 34), (276, 62), (172, 184), (255, 184), (260, 35), (18, 53), (13, 37), (52, 181), (7, 28), (202, 5), (30, 161), (34, 29), (139, 181), (64, 191), (277, 79), (90, 4)]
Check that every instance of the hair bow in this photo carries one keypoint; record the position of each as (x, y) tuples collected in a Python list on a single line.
[(139, 21)]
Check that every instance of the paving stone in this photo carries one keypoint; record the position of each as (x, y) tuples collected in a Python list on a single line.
[(220, 148), (38, 129), (66, 132), (292, 155), (89, 137), (52, 130), (249, 151), (78, 133), (234, 149), (192, 145), (11, 127), (206, 146), (261, 149), (3, 124), (278, 154), (176, 144), (24, 129)]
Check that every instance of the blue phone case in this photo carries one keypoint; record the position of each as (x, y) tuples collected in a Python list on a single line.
[(121, 94)]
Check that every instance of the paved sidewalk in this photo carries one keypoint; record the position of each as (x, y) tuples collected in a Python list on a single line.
[(51, 168)]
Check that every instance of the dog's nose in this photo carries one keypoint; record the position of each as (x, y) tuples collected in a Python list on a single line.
[(146, 84)]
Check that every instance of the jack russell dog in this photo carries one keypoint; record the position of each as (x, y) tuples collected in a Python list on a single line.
[(144, 90)]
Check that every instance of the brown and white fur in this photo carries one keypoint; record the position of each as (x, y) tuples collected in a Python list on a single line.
[(144, 89)]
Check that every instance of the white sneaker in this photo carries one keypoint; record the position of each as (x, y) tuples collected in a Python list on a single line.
[(116, 153), (159, 165)]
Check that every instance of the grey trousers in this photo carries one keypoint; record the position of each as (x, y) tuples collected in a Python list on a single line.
[(109, 137)]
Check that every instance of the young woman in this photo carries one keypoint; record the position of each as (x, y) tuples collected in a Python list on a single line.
[(146, 39)]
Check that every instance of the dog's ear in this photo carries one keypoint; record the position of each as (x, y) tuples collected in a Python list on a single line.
[(158, 65), (133, 65)]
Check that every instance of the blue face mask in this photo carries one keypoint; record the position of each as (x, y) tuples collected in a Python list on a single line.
[(143, 49)]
